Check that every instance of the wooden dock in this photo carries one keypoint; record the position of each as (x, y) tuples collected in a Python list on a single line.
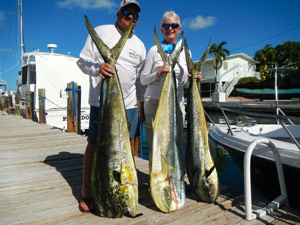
[(40, 181)]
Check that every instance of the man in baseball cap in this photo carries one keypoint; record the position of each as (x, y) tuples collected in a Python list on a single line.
[(127, 2)]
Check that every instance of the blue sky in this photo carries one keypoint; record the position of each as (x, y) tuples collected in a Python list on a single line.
[(247, 26)]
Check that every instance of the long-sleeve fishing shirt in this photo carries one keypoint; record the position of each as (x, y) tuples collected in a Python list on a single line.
[(128, 66), (154, 83)]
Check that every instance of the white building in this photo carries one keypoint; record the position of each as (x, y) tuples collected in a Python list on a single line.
[(233, 68)]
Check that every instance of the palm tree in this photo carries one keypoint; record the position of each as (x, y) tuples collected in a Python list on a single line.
[(219, 56), (266, 56)]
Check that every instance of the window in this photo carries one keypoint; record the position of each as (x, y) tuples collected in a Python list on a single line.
[(225, 65), (29, 73), (24, 75), (32, 73)]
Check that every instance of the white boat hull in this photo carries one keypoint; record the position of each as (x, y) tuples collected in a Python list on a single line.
[(263, 169), (58, 117)]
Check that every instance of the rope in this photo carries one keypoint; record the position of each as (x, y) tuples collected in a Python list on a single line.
[(43, 102), (51, 101)]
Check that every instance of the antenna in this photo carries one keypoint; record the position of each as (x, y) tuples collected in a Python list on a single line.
[(52, 47), (21, 30)]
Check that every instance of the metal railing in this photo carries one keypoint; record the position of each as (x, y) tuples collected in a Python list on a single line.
[(278, 117), (281, 199)]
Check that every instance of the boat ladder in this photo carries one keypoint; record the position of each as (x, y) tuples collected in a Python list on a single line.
[(281, 199)]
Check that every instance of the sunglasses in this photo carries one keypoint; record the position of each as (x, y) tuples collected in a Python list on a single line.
[(127, 13), (167, 25)]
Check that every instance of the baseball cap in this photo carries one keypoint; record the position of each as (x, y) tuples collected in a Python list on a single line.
[(127, 2)]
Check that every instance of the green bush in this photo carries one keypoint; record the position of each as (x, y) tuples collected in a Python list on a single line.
[(246, 80)]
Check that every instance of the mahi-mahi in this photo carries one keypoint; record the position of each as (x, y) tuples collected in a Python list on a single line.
[(166, 161), (199, 164), (114, 176)]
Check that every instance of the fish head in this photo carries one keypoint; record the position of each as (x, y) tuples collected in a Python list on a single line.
[(160, 191), (127, 175), (129, 198), (128, 189)]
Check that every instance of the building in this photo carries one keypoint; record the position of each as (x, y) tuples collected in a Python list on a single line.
[(233, 68)]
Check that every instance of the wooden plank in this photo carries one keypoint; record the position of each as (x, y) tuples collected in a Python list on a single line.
[(41, 178)]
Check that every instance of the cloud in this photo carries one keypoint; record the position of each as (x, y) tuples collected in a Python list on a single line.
[(87, 4), (199, 22), (2, 17)]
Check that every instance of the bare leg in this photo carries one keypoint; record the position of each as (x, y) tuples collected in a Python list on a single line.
[(86, 190)]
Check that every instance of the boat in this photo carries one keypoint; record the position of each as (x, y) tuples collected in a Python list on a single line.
[(236, 136), (287, 89), (283, 88), (52, 72)]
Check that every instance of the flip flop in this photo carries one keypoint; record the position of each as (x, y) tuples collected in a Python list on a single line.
[(89, 203)]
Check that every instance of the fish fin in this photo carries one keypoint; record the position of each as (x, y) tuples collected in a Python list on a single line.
[(189, 61), (164, 166), (102, 48), (201, 63), (176, 52), (208, 172), (119, 46), (109, 55), (163, 55)]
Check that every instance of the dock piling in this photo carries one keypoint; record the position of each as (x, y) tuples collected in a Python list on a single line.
[(17, 104), (72, 112), (29, 105), (42, 95)]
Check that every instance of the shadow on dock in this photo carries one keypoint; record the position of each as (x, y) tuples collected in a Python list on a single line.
[(70, 166)]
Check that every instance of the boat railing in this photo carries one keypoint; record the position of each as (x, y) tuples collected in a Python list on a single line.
[(278, 117), (281, 199)]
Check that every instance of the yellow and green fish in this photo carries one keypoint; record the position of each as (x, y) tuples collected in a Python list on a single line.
[(166, 161), (199, 164), (114, 176)]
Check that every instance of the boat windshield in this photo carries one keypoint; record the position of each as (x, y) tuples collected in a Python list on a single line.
[(29, 74)]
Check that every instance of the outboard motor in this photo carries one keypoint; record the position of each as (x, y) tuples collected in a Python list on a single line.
[(245, 121)]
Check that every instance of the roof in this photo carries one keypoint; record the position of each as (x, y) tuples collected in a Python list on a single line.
[(27, 54), (239, 55)]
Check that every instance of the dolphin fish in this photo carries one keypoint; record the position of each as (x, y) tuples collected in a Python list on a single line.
[(166, 161), (114, 176), (199, 164)]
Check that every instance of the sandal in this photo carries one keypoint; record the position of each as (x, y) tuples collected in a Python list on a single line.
[(88, 202)]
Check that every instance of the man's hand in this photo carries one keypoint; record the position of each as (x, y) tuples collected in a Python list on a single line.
[(198, 77), (162, 71), (106, 70)]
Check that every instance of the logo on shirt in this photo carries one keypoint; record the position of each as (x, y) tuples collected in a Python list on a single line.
[(133, 53)]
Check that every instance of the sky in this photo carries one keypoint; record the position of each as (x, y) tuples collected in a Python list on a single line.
[(247, 26)]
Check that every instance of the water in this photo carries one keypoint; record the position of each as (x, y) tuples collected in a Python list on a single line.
[(229, 173)]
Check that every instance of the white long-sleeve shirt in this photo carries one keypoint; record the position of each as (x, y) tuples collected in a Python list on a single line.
[(128, 66), (154, 84)]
